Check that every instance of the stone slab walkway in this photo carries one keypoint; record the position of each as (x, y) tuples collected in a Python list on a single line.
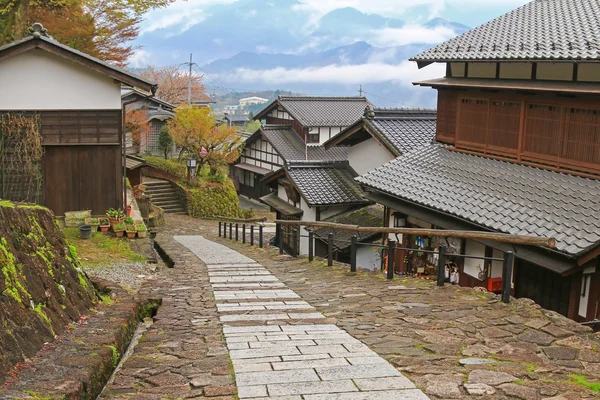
[(280, 347)]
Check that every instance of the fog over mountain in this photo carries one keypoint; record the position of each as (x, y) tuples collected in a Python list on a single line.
[(279, 44)]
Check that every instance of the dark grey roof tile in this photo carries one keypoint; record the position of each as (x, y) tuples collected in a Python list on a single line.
[(539, 30), (325, 111), (326, 184), (502, 196), (291, 148)]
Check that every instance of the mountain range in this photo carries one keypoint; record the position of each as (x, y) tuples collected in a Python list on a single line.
[(237, 44)]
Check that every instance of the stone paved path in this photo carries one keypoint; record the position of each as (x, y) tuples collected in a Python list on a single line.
[(281, 348)]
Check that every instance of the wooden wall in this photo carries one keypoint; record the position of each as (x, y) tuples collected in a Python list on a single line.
[(82, 164), (556, 132)]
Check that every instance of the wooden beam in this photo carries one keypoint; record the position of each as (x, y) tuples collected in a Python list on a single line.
[(476, 235), (243, 221)]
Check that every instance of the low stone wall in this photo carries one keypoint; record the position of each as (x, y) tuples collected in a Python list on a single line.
[(42, 287)]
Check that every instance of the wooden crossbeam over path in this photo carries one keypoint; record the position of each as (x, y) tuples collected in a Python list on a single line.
[(497, 237), (242, 221)]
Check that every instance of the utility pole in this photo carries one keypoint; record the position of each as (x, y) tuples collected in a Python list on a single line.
[(360, 91), (190, 64)]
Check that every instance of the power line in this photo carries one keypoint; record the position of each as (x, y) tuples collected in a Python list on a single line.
[(386, 99)]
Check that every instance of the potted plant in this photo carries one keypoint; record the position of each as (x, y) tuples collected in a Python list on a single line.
[(104, 225), (128, 221), (142, 231), (115, 216), (131, 232), (128, 211), (119, 229), (93, 222)]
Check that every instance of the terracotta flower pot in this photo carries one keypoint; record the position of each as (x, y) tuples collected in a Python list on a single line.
[(104, 229), (131, 235), (119, 233)]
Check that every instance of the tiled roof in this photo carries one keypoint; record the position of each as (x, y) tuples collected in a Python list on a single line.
[(281, 205), (237, 118), (326, 184), (325, 111), (497, 195), (291, 148), (404, 129), (539, 30), (367, 216)]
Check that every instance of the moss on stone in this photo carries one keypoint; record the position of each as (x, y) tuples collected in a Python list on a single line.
[(12, 275), (39, 310), (7, 204)]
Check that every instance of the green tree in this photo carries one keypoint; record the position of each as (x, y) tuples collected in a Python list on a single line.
[(165, 141), (252, 126)]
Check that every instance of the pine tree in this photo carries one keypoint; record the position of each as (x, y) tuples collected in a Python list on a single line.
[(165, 141)]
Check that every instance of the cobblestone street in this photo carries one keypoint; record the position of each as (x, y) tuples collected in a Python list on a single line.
[(281, 347), (451, 342)]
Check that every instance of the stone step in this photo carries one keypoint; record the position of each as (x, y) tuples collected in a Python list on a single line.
[(167, 189), (164, 197)]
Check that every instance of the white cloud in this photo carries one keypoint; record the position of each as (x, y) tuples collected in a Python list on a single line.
[(410, 34), (140, 59), (405, 73)]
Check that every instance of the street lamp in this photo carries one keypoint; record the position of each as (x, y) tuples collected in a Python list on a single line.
[(191, 168)]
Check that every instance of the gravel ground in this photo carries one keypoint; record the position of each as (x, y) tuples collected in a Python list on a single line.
[(130, 275)]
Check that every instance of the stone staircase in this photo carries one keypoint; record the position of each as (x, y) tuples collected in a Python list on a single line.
[(164, 195)]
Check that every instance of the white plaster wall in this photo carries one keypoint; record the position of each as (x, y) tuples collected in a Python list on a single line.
[(497, 266), (38, 80), (457, 70), (473, 248), (585, 288), (368, 257), (555, 71), (515, 70), (280, 113), (368, 155), (482, 70), (310, 214), (588, 72)]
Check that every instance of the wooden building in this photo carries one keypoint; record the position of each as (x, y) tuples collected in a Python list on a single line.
[(518, 132), (78, 101), (293, 129)]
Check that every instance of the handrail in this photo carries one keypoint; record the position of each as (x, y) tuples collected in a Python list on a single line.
[(242, 221), (497, 237)]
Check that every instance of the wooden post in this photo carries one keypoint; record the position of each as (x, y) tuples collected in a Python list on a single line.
[(280, 239), (230, 230), (295, 250), (441, 278), (251, 235), (330, 249), (243, 233), (391, 254), (353, 251), (237, 233), (509, 259), (219, 228), (311, 250), (260, 236)]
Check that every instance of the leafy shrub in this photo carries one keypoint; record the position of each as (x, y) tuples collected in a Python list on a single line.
[(172, 167), (215, 200)]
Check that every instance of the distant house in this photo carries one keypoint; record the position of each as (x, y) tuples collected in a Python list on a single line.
[(202, 101), (285, 166), (157, 112), (249, 101), (268, 149), (235, 120), (518, 152), (78, 100)]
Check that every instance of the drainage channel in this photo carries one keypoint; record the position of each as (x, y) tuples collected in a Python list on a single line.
[(148, 310)]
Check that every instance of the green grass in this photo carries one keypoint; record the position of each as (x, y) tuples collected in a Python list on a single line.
[(582, 381), (101, 248)]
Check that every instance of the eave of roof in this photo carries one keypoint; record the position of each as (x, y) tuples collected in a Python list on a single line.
[(363, 125), (147, 96), (85, 60), (272, 200), (543, 86)]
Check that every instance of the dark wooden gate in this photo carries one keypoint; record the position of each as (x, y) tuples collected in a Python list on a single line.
[(82, 177), (546, 288)]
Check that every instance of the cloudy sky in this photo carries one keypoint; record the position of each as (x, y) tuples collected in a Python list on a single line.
[(184, 13)]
